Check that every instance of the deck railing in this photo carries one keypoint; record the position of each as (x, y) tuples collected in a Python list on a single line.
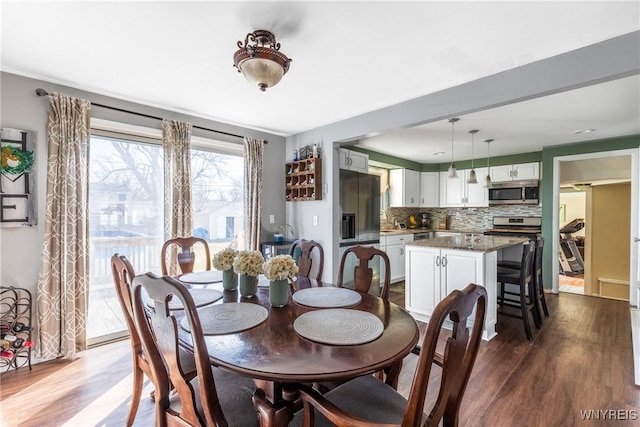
[(142, 252)]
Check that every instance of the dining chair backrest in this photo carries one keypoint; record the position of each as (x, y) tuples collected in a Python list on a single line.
[(186, 257), (123, 274), (363, 274), (159, 336), (456, 360), (305, 258), (365, 401)]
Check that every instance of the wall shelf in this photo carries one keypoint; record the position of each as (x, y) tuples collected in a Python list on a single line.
[(303, 180)]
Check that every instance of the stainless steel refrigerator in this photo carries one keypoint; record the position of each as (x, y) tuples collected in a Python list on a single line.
[(360, 217)]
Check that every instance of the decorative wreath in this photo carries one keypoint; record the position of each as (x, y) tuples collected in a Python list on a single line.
[(15, 161)]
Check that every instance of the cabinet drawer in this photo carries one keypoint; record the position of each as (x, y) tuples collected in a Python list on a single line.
[(398, 239)]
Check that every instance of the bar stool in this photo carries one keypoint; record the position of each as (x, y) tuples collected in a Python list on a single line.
[(541, 302), (526, 300)]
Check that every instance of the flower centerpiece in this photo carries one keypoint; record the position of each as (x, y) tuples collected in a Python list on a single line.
[(248, 264), (223, 261), (278, 269)]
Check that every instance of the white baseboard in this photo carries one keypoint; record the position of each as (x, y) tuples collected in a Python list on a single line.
[(635, 336)]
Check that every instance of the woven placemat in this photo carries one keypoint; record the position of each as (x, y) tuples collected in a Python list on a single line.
[(339, 326), (228, 318), (202, 277), (327, 297), (201, 297)]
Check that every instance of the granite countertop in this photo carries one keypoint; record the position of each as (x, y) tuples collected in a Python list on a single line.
[(388, 232), (477, 243)]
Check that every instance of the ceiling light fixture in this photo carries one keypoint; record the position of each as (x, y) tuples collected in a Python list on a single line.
[(487, 181), (472, 175), (452, 167), (581, 131), (259, 59)]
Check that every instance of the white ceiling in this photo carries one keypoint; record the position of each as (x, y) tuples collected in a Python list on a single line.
[(349, 58)]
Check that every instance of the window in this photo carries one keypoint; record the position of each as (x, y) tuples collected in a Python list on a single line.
[(126, 211)]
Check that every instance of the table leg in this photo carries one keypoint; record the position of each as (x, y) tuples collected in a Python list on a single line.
[(272, 409)]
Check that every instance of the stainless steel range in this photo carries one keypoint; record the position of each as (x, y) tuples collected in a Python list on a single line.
[(521, 226)]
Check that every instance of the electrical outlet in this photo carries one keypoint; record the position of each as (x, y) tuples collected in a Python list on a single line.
[(315, 220), (272, 219)]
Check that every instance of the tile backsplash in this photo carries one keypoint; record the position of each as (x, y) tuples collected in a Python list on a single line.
[(465, 219)]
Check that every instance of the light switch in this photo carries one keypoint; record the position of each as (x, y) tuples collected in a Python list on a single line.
[(272, 219), (315, 220)]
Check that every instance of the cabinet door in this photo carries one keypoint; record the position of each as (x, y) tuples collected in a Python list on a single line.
[(476, 194), (430, 189), (526, 171), (422, 290), (460, 269), (451, 190), (344, 158), (412, 188), (396, 262), (501, 173), (396, 188), (358, 162)]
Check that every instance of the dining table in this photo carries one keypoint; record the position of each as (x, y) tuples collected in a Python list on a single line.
[(323, 334)]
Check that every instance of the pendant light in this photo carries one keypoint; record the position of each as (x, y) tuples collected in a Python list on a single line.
[(472, 175), (487, 181), (452, 167)]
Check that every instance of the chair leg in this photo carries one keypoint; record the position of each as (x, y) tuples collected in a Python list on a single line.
[(543, 300), (533, 300), (525, 314), (138, 378)]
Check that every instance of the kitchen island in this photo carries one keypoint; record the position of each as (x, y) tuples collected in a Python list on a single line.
[(436, 267)]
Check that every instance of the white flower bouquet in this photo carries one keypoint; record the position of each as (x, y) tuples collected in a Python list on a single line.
[(280, 267), (248, 262), (223, 260)]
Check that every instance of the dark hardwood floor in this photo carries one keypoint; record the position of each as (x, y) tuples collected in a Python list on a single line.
[(580, 360)]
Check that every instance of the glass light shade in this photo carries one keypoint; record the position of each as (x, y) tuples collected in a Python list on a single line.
[(472, 177), (487, 182), (262, 72), (452, 171)]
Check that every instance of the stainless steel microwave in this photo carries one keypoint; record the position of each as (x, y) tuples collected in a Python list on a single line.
[(515, 193)]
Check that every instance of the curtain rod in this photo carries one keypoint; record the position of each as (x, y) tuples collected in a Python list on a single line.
[(42, 92)]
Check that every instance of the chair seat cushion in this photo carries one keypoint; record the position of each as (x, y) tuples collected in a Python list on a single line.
[(365, 397), (234, 393), (515, 265)]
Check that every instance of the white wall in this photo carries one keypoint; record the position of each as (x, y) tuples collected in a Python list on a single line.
[(21, 248)]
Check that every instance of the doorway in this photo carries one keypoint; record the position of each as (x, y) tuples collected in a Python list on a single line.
[(585, 170)]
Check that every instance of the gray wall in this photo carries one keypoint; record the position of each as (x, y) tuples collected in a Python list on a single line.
[(21, 248)]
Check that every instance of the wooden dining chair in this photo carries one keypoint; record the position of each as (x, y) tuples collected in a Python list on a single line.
[(123, 274), (363, 274), (215, 397), (368, 402), (186, 257), (305, 259)]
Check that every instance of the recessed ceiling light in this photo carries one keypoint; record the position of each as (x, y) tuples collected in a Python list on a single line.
[(438, 153), (578, 132)]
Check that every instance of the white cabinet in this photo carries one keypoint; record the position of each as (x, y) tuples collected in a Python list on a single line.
[(519, 172), (429, 189), (455, 192), (404, 188), (433, 273), (353, 160), (394, 247)]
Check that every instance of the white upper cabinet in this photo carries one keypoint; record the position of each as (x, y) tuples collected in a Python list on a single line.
[(519, 172), (455, 192), (354, 161), (404, 188), (429, 189)]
